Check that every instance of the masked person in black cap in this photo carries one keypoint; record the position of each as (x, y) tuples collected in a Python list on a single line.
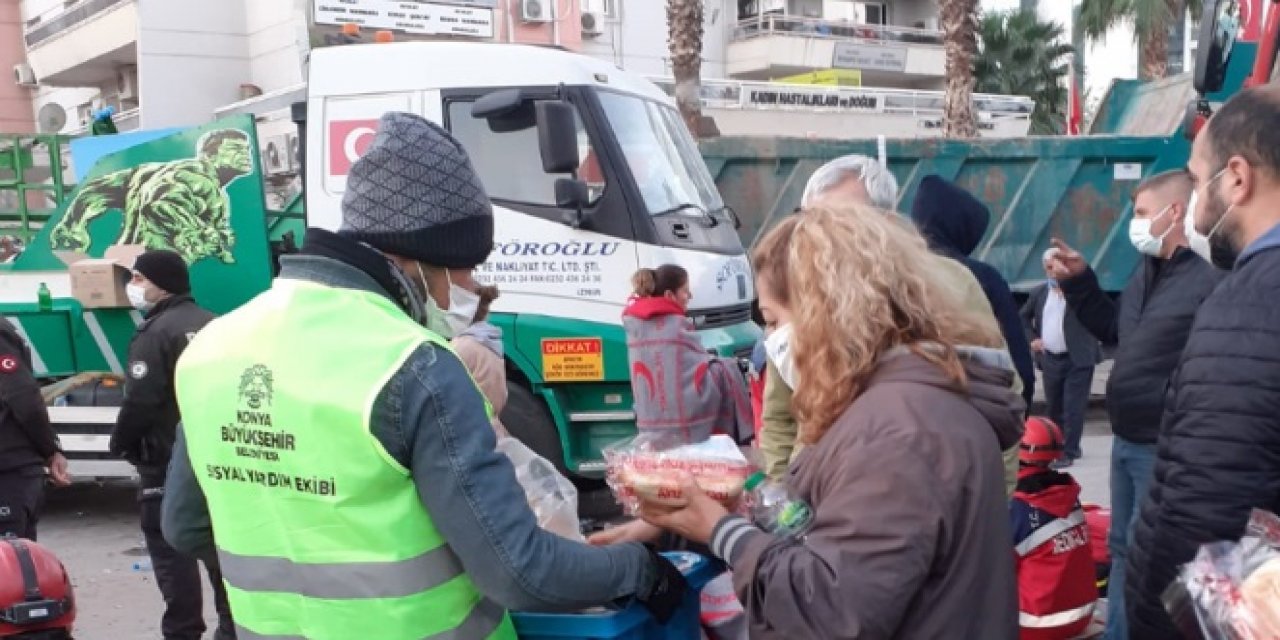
[(144, 433)]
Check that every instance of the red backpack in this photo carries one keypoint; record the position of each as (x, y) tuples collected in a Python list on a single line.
[(1098, 519)]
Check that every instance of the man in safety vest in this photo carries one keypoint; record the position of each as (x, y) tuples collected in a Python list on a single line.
[(1056, 591), (345, 454)]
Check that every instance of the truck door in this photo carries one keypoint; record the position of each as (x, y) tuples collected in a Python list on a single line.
[(538, 255)]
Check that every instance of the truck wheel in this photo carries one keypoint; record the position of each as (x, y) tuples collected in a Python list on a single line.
[(527, 419)]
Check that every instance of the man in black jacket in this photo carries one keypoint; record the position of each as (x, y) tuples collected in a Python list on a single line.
[(27, 440), (1149, 328), (953, 221), (146, 429), (1066, 354), (1219, 451)]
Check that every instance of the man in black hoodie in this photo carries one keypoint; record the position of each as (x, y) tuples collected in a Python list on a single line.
[(953, 221)]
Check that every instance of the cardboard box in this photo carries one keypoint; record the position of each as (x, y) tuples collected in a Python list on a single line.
[(98, 283)]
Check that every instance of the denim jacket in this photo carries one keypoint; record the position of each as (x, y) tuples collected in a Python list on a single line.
[(431, 418)]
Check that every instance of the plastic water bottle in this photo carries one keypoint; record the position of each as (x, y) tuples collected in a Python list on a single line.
[(142, 565), (776, 509), (44, 298)]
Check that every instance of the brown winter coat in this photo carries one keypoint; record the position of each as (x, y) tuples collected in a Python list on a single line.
[(911, 533)]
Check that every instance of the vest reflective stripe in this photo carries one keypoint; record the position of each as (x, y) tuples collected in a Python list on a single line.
[(321, 532), (1060, 619), (1049, 531), (483, 622), (342, 579)]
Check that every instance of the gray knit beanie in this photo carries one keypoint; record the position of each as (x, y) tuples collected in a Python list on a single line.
[(414, 194)]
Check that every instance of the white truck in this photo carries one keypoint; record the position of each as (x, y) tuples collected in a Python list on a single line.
[(592, 174)]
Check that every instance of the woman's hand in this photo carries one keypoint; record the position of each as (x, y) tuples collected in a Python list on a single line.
[(694, 521), (634, 531)]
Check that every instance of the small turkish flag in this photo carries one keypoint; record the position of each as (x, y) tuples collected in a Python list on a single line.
[(348, 140), (8, 364), (1075, 113)]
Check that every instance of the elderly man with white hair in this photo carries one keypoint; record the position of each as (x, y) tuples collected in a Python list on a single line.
[(1066, 354), (844, 181)]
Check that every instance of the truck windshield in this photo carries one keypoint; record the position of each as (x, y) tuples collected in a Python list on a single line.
[(661, 155)]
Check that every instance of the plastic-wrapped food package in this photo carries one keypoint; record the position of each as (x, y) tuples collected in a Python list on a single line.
[(552, 497), (1231, 591), (652, 466)]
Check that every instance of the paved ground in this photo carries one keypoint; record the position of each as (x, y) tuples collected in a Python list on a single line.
[(95, 530)]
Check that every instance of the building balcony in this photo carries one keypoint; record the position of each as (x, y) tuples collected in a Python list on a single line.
[(769, 47), (83, 44)]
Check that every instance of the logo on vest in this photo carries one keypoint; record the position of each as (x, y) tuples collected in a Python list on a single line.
[(256, 387), (256, 440)]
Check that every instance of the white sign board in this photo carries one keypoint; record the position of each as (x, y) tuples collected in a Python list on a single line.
[(1128, 171), (867, 56), (421, 18)]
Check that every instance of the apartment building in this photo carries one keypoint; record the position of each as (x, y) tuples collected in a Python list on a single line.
[(168, 63), (834, 67)]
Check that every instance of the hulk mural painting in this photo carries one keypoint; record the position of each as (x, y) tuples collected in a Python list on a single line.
[(180, 205)]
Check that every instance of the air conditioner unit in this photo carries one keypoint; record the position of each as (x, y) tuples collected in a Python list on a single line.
[(126, 83), (24, 75), (295, 150), (275, 155), (535, 10), (592, 23)]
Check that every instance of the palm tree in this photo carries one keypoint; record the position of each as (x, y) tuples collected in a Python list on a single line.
[(1151, 21), (684, 40), (1022, 56), (959, 20)]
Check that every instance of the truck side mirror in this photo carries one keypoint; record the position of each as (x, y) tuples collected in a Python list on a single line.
[(1219, 26), (572, 196), (506, 110), (497, 103), (557, 137)]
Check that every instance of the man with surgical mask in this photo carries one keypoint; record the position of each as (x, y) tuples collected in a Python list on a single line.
[(343, 454), (1148, 327), (1219, 449), (145, 430)]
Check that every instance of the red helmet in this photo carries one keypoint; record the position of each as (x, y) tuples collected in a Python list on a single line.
[(1042, 442), (36, 600)]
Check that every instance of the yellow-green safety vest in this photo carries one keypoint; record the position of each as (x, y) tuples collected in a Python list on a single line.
[(320, 532)]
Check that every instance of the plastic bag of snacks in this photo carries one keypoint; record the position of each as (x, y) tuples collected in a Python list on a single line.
[(652, 465), (551, 496), (1231, 591)]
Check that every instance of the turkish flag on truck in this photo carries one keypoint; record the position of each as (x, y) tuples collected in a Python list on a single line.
[(348, 140)]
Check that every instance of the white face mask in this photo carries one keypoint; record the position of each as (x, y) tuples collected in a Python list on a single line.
[(137, 295), (435, 320), (778, 347), (1196, 241), (463, 306), (1140, 234)]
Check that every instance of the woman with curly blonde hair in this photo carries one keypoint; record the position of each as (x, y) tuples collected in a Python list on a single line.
[(904, 403)]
